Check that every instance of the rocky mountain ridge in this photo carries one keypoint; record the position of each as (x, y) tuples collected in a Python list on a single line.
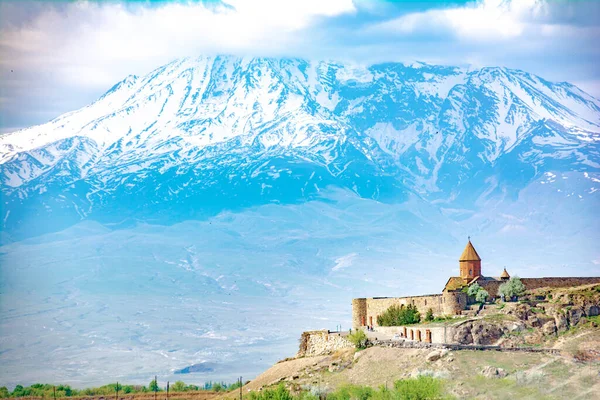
[(200, 135)]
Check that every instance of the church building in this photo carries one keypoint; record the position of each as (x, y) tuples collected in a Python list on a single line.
[(470, 272)]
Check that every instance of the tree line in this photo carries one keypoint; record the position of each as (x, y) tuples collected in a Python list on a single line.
[(49, 390)]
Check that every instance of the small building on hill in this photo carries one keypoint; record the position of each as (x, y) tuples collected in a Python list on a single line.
[(453, 299)]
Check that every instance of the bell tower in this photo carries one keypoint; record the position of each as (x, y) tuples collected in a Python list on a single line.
[(469, 262)]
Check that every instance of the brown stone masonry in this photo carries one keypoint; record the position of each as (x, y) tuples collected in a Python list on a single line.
[(367, 310), (536, 283)]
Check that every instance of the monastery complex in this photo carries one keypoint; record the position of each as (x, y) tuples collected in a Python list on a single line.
[(453, 300)]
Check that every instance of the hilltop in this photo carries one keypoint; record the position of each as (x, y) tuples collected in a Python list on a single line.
[(569, 368)]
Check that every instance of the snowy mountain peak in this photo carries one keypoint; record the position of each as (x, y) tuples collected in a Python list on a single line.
[(254, 130)]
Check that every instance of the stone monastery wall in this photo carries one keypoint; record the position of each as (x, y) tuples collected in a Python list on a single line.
[(366, 310), (536, 283)]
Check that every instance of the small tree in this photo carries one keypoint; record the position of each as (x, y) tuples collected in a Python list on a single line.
[(481, 295), (399, 315), (504, 291), (178, 386), (513, 288), (358, 338), (153, 386), (429, 315), (18, 391), (473, 289), (518, 288)]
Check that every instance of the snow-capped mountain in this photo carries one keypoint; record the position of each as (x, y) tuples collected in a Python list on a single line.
[(200, 135)]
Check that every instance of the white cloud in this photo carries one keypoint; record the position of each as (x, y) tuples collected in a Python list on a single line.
[(513, 228), (94, 44), (482, 21), (344, 261), (66, 54)]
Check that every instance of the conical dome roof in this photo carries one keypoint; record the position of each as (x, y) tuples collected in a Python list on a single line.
[(469, 253), (505, 274)]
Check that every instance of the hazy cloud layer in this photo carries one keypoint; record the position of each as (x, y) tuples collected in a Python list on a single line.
[(55, 57)]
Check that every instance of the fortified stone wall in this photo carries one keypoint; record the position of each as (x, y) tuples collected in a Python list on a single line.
[(418, 333), (377, 306), (454, 302), (359, 312), (536, 283), (316, 343), (365, 311)]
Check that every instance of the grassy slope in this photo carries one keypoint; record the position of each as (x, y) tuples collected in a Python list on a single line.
[(530, 375)]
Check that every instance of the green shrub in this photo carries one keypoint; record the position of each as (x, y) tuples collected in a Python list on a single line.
[(443, 318), (429, 316), (358, 338), (153, 386), (420, 388), (399, 315), (513, 288), (352, 392), (279, 393), (481, 295), (473, 289), (178, 386)]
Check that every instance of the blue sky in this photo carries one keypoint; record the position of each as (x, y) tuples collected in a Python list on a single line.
[(56, 56)]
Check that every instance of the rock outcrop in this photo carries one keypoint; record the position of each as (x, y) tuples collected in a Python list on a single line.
[(478, 332), (493, 372)]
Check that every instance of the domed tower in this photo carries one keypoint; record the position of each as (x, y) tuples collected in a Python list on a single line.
[(469, 262)]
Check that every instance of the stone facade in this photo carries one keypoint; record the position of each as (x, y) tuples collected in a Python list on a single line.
[(366, 311), (316, 343), (536, 283), (427, 333), (359, 312)]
